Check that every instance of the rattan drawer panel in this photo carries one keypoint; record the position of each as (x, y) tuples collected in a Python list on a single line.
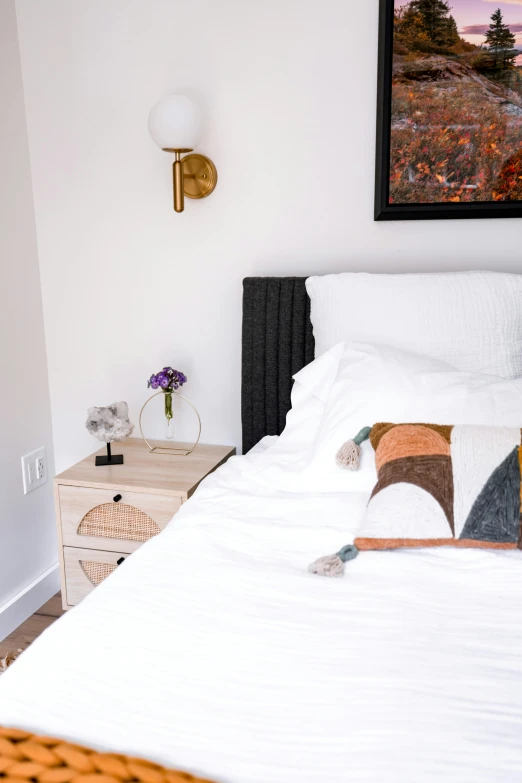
[(85, 569), (91, 518)]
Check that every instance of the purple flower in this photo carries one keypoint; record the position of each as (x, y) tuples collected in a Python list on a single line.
[(168, 379)]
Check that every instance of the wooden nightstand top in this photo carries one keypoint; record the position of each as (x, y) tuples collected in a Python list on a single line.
[(158, 474)]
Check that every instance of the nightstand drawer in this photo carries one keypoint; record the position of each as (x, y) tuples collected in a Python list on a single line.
[(110, 520), (85, 569)]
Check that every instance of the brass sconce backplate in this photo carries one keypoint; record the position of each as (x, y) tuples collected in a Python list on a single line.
[(199, 176)]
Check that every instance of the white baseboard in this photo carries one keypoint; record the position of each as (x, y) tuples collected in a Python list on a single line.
[(29, 600)]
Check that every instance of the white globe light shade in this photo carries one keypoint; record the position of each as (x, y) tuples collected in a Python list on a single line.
[(175, 123)]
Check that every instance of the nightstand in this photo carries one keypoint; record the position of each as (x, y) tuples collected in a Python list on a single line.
[(105, 513)]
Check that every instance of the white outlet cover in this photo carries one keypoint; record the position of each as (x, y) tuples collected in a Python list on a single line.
[(34, 469)]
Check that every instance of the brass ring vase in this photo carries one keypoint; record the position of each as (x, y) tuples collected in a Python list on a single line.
[(166, 449)]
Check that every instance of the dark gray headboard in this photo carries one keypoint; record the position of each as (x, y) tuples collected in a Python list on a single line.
[(277, 342)]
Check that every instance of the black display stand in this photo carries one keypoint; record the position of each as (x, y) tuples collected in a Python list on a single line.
[(116, 459)]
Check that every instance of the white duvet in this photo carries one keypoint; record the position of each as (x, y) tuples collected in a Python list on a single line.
[(213, 650)]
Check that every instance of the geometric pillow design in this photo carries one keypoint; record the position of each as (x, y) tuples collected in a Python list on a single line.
[(444, 486)]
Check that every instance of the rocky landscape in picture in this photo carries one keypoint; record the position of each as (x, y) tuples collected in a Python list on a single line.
[(456, 125)]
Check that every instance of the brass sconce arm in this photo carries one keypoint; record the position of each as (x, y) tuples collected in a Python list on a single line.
[(194, 176)]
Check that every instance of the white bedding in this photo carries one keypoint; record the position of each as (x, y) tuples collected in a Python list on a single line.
[(212, 649)]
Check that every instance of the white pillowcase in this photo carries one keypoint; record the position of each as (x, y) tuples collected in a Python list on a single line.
[(473, 320), (380, 383), (311, 390)]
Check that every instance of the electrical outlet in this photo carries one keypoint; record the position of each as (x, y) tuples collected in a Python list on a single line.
[(34, 470), (40, 467)]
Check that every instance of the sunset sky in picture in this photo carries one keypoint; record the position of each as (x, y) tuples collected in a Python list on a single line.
[(473, 17)]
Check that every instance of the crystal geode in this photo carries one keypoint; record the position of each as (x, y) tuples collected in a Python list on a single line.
[(110, 423)]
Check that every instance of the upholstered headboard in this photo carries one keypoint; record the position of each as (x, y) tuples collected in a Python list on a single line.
[(277, 342)]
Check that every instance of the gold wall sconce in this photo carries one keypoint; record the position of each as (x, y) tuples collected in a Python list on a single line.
[(174, 125)]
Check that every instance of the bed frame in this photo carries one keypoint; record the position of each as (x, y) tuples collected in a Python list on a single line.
[(278, 341)]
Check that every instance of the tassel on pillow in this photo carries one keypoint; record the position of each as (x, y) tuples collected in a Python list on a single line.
[(333, 565), (349, 455)]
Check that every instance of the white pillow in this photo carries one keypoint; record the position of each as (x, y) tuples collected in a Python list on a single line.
[(311, 390), (473, 320), (380, 383)]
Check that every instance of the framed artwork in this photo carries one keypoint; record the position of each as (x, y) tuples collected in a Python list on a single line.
[(449, 117)]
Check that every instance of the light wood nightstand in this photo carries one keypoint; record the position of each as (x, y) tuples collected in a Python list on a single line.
[(105, 513)]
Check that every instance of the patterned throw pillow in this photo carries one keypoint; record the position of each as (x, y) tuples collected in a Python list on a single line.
[(444, 486)]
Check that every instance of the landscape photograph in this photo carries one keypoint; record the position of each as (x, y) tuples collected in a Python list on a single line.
[(456, 103)]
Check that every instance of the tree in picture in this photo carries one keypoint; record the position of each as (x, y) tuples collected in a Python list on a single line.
[(440, 27), (426, 26), (500, 41)]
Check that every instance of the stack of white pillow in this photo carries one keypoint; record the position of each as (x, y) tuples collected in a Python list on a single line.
[(437, 348)]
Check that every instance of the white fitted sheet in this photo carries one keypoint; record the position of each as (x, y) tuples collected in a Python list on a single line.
[(212, 649)]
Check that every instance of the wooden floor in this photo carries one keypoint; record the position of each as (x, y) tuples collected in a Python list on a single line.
[(33, 627)]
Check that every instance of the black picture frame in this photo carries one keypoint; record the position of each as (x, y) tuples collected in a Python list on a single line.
[(383, 209)]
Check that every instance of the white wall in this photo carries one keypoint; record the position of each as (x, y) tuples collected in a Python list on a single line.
[(27, 537), (288, 87)]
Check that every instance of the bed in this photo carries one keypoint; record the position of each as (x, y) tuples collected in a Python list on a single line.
[(213, 650)]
